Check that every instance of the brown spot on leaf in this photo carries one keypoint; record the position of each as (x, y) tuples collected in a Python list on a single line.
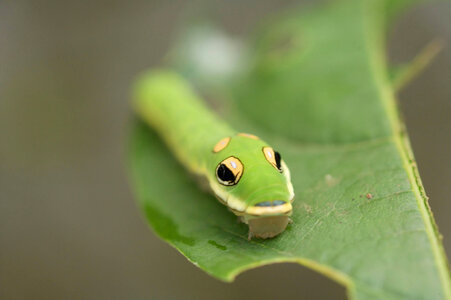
[(307, 208)]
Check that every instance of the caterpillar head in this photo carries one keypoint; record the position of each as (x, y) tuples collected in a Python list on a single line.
[(251, 178)]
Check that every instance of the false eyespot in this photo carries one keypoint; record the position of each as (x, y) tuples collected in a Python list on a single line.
[(273, 157), (221, 144), (229, 171)]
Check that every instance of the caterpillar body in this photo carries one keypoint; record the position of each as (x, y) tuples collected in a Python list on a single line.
[(244, 172)]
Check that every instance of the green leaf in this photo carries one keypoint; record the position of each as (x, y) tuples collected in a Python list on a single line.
[(320, 92)]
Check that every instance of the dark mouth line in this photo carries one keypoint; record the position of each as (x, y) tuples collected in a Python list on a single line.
[(270, 203)]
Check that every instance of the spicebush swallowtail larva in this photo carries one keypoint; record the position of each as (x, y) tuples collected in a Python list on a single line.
[(244, 172)]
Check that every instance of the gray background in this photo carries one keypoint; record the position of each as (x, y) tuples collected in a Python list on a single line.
[(69, 227)]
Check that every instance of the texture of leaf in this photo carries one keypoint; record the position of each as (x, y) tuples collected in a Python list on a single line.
[(320, 91)]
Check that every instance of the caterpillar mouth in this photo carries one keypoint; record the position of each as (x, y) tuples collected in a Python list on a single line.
[(270, 203), (270, 208)]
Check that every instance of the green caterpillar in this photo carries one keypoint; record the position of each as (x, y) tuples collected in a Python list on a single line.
[(244, 172)]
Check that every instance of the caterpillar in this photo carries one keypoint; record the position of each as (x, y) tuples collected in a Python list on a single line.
[(243, 171)]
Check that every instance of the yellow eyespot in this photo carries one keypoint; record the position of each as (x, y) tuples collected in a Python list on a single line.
[(221, 144), (248, 135), (273, 157), (229, 171)]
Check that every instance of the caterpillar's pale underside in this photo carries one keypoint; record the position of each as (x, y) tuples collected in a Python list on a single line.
[(243, 172)]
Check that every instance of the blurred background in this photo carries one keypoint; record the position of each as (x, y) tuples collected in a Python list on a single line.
[(69, 226)]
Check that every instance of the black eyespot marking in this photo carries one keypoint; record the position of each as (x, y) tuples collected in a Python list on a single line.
[(278, 158), (225, 174)]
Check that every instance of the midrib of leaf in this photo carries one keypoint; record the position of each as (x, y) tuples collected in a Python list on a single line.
[(378, 63)]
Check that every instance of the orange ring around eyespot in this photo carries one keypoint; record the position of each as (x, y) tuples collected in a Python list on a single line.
[(235, 166), (221, 144), (270, 156)]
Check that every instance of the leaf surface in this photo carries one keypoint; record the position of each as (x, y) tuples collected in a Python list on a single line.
[(319, 90)]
